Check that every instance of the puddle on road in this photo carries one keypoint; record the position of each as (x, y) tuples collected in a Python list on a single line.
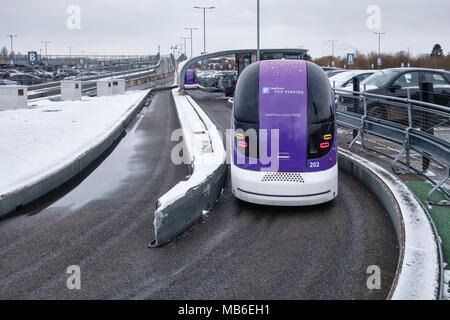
[(109, 174)]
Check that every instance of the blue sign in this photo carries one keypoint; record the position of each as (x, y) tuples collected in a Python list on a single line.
[(350, 59), (32, 57)]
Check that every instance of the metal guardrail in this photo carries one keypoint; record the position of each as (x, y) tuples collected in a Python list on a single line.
[(421, 130)]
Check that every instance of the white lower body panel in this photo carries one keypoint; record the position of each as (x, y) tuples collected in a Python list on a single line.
[(285, 189)]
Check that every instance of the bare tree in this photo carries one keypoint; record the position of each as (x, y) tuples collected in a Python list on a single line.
[(4, 52)]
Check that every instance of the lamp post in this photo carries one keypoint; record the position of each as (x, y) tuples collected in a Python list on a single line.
[(204, 24), (185, 47), (332, 51), (258, 49), (192, 49), (46, 44), (409, 57), (379, 47), (11, 36)]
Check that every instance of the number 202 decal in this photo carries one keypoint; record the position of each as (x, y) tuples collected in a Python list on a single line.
[(314, 164)]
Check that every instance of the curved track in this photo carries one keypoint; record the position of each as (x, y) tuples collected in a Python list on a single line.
[(239, 251)]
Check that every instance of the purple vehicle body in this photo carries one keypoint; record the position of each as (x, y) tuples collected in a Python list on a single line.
[(190, 77), (294, 100)]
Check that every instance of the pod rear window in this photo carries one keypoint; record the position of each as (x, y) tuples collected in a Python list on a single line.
[(320, 99), (246, 97)]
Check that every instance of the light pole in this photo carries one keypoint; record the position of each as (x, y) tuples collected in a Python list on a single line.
[(11, 36), (70, 52), (185, 47), (332, 50), (204, 24), (191, 29), (409, 57), (258, 49), (379, 47), (46, 44)]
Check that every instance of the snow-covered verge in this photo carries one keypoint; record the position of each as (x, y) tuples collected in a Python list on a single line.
[(204, 151), (39, 141), (419, 273), (446, 291), (203, 147)]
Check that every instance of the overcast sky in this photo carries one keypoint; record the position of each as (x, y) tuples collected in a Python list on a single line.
[(138, 26)]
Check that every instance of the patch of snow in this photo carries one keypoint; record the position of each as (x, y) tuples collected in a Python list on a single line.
[(446, 291), (39, 141), (203, 147), (419, 275)]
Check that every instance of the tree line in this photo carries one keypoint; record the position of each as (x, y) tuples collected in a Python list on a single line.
[(436, 59)]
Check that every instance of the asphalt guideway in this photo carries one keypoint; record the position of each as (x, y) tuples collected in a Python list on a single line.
[(419, 271), (238, 251)]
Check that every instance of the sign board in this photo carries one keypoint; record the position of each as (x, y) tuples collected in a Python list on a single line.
[(350, 59), (32, 57), (333, 64), (403, 65), (379, 62)]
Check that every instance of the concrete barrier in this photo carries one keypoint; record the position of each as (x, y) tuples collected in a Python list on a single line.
[(11, 201), (189, 200), (419, 273)]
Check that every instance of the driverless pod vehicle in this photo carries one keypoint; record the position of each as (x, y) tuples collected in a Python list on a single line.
[(284, 147), (191, 77)]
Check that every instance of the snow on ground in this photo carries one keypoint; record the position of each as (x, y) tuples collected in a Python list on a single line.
[(204, 148), (446, 291), (38, 141)]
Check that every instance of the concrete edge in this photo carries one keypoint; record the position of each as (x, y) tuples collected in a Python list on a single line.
[(195, 197), (30, 193), (419, 270)]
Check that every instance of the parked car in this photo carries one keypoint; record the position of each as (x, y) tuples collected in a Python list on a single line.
[(345, 79), (396, 83), (26, 79), (5, 82), (228, 83)]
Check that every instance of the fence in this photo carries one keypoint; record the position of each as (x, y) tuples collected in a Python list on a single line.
[(414, 134)]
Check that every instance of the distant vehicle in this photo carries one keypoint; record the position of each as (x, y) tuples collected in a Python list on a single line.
[(345, 79), (4, 82), (26, 79), (39, 73), (191, 77), (4, 74), (228, 83), (326, 69), (332, 73)]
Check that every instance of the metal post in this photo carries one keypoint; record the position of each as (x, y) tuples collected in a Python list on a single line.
[(410, 123), (192, 49), (379, 45), (258, 50), (332, 50), (204, 24), (11, 36)]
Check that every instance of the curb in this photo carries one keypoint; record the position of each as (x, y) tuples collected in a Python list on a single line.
[(30, 193), (188, 201), (419, 270)]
